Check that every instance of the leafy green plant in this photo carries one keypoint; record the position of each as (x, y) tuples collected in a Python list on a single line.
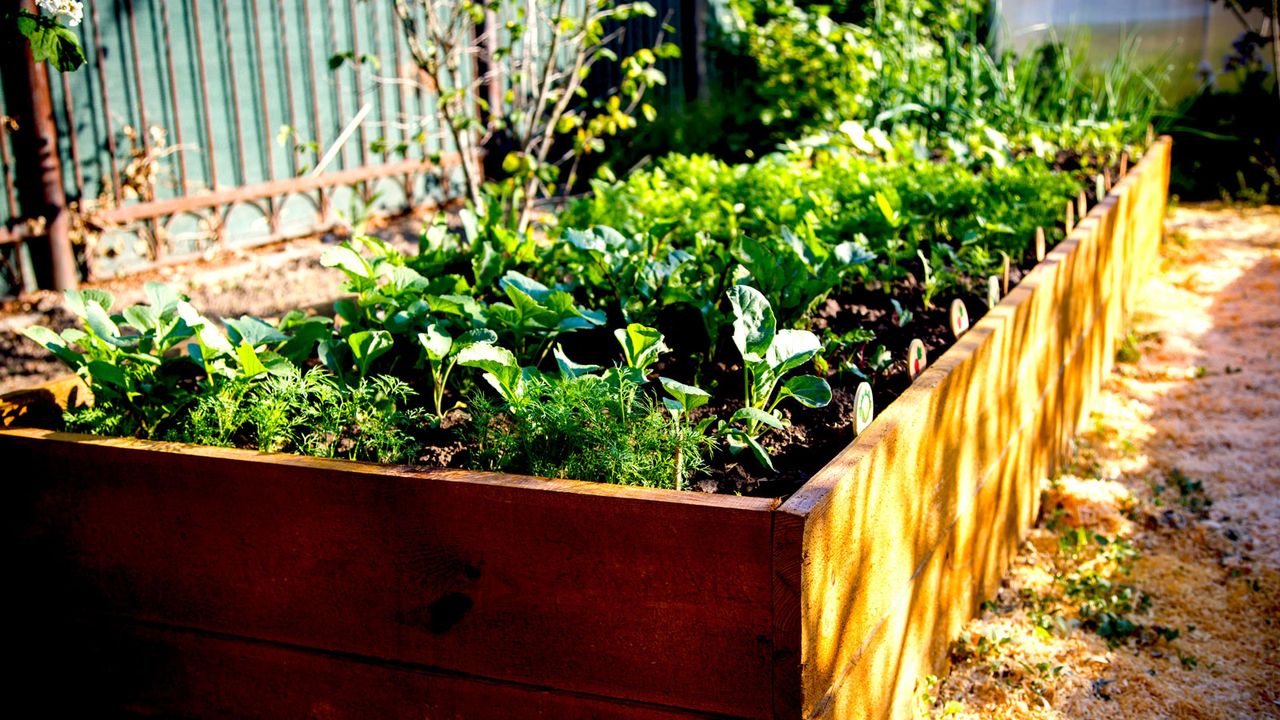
[(536, 315), (441, 350), (768, 355), (633, 270), (572, 428)]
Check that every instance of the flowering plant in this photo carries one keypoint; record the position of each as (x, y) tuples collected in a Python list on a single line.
[(51, 39)]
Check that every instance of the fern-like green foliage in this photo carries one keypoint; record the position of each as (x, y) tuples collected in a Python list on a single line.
[(601, 429)]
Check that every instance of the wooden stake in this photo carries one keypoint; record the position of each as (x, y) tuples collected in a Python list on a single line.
[(1083, 204), (1124, 163), (1106, 175), (1071, 216), (1040, 240), (1006, 273)]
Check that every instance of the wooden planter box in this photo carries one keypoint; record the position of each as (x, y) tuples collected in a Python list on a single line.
[(169, 579)]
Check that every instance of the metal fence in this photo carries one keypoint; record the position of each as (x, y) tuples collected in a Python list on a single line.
[(199, 124)]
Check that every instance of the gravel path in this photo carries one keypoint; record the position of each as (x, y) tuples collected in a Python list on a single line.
[(1182, 461)]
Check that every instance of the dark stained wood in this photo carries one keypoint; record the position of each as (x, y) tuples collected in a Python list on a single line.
[(174, 673), (649, 596)]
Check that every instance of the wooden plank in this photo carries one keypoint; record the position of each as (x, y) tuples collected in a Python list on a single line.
[(876, 519), (42, 406), (139, 671), (642, 595)]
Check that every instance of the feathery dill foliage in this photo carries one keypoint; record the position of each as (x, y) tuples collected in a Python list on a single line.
[(585, 428), (309, 414)]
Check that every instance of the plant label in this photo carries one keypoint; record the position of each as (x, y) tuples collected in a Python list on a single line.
[(1040, 250), (1101, 187), (1071, 216), (993, 291), (917, 359), (959, 317), (864, 408)]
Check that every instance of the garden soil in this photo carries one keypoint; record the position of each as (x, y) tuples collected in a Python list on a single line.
[(1181, 459)]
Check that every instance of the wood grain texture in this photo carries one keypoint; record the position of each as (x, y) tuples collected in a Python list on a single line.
[(907, 529), (662, 598), (181, 674)]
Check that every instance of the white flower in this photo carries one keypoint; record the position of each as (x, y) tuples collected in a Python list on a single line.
[(71, 10)]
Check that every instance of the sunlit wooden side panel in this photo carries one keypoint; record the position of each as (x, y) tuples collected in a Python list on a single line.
[(910, 527)]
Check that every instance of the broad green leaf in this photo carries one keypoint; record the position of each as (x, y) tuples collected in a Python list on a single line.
[(641, 345), (585, 240), (161, 297), (500, 366), (250, 365), (104, 372), (526, 285), (472, 337), (688, 396), (754, 324), (305, 336), (208, 335), (141, 317), (276, 364), (460, 305), (253, 331), (436, 342), (347, 260), (367, 346), (853, 253), (55, 344), (753, 414), (101, 323), (570, 369), (791, 349), (808, 390), (742, 439), (76, 300), (402, 279)]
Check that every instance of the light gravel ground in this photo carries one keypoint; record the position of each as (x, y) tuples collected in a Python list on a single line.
[(1205, 399)]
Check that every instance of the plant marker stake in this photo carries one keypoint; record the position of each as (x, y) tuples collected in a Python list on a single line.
[(863, 408), (1083, 202), (679, 467), (1100, 188), (1124, 163), (959, 317), (993, 292), (1006, 274), (1040, 242), (917, 359), (1071, 216)]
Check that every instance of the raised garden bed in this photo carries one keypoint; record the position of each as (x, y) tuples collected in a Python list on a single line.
[(166, 579)]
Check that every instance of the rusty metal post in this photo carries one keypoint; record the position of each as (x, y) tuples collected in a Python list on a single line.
[(39, 169)]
